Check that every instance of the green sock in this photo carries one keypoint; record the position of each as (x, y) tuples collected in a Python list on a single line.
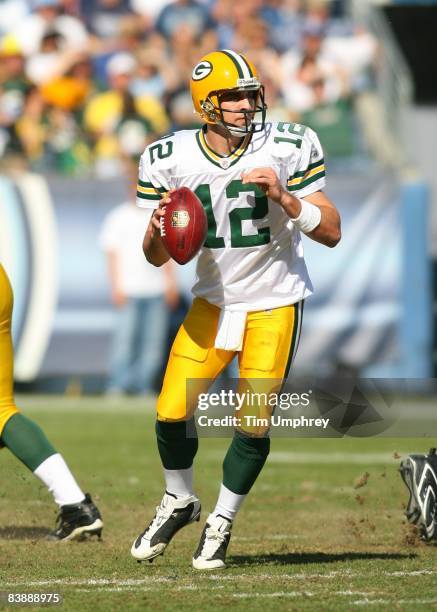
[(26, 440), (243, 462), (177, 451)]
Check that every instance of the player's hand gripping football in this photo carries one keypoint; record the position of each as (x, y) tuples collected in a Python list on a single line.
[(178, 228), (158, 213), (268, 181)]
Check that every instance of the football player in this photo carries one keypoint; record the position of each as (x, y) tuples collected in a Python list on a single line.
[(78, 516), (261, 185)]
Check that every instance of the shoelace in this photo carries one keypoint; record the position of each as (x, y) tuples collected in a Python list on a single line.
[(161, 513), (213, 539)]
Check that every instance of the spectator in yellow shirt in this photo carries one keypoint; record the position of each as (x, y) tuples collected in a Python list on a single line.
[(104, 110)]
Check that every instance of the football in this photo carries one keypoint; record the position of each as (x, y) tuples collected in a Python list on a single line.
[(184, 225)]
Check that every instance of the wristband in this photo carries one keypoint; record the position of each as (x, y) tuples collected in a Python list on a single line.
[(309, 217)]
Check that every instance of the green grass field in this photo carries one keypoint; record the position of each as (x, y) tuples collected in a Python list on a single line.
[(306, 538)]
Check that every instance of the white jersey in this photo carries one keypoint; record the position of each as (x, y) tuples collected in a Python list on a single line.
[(253, 256)]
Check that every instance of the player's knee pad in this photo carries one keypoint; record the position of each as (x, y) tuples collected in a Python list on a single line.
[(177, 443)]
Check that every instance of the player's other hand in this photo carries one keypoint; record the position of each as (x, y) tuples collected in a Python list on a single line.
[(267, 180)]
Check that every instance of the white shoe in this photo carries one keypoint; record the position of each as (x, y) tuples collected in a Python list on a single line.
[(211, 552), (171, 515), (419, 472)]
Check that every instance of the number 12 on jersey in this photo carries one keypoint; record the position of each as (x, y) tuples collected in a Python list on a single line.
[(236, 216)]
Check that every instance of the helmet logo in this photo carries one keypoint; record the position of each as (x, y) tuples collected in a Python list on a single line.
[(201, 71)]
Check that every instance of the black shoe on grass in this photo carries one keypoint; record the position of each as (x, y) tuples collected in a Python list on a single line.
[(78, 521)]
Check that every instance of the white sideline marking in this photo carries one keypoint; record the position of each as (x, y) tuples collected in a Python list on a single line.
[(116, 590), (412, 573), (371, 602), (143, 589), (330, 458), (93, 582), (278, 594), (137, 582), (333, 574), (299, 594), (349, 592)]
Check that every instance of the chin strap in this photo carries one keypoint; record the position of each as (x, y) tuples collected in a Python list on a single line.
[(238, 131)]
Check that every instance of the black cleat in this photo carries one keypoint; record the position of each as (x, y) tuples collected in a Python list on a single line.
[(171, 515), (78, 521), (419, 472), (211, 552)]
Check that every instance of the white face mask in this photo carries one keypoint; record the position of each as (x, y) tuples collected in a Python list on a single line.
[(237, 131)]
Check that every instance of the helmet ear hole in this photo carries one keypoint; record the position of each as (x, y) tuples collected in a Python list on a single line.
[(209, 109)]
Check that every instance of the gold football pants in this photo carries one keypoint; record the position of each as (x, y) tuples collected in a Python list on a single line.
[(7, 404), (270, 341)]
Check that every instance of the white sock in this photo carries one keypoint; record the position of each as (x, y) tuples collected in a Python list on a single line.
[(228, 503), (55, 474), (179, 482)]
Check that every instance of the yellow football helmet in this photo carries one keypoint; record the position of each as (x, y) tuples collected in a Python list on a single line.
[(222, 71)]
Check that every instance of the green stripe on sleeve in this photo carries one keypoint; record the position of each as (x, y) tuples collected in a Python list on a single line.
[(151, 186), (314, 178), (309, 168), (150, 197)]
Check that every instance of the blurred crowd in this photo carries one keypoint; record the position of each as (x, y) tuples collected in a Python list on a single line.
[(86, 84)]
